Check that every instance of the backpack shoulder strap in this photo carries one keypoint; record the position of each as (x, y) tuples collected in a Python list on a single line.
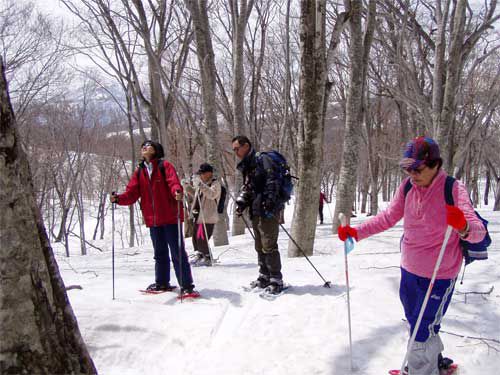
[(407, 188), (448, 190)]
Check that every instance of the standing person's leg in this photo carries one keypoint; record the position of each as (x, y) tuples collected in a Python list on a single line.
[(181, 266), (264, 275), (321, 214), (161, 256), (202, 256), (198, 255), (203, 239), (424, 357), (207, 232), (269, 230)]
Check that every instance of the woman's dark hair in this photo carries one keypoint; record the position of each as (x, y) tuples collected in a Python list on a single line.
[(433, 163), (159, 153), (242, 139)]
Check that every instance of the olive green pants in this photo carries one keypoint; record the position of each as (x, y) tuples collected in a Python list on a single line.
[(266, 232)]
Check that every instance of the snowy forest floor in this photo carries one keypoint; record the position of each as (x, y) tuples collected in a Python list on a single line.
[(305, 331)]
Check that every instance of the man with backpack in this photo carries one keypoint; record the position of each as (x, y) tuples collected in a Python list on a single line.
[(426, 218), (206, 195), (261, 193), (156, 183)]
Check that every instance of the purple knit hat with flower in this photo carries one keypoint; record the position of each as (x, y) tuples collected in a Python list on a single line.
[(419, 151)]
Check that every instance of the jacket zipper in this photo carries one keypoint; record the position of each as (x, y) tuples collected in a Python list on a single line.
[(152, 196)]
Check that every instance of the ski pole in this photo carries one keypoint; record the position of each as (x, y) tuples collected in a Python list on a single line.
[(348, 245), (327, 284), (242, 215), (247, 225), (179, 244), (113, 244), (427, 295)]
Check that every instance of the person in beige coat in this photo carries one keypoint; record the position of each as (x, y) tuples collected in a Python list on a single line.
[(205, 194)]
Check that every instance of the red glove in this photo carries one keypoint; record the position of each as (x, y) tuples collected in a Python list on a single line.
[(455, 217), (347, 231)]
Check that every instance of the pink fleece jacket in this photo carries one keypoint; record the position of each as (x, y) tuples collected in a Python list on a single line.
[(424, 213)]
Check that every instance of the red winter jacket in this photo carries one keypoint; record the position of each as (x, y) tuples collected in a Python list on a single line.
[(157, 194)]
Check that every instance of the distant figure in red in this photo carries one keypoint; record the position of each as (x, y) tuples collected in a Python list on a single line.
[(322, 200)]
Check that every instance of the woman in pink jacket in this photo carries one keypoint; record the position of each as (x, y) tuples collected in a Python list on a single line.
[(426, 217)]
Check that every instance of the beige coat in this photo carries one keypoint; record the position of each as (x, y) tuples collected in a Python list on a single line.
[(210, 194)]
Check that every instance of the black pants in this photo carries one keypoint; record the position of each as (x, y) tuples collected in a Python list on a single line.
[(201, 244), (321, 214), (164, 238)]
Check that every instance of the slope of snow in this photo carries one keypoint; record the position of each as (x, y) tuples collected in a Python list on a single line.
[(305, 331)]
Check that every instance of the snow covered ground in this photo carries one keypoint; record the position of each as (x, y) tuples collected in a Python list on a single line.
[(305, 331)]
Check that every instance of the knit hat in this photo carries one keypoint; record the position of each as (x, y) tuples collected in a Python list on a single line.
[(159, 153), (205, 167), (418, 151)]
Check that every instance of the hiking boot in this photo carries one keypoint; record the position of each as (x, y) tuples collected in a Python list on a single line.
[(275, 287), (261, 282), (443, 362), (160, 288), (189, 291), (204, 262), (196, 258)]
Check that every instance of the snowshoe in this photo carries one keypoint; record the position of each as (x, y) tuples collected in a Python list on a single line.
[(196, 258), (261, 283), (451, 369), (204, 261), (158, 289), (273, 291), (188, 293)]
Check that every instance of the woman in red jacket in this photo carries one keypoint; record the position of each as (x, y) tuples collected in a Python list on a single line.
[(156, 183)]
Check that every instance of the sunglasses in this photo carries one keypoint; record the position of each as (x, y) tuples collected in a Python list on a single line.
[(147, 144), (416, 171)]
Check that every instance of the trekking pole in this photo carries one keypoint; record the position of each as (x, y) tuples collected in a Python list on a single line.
[(427, 295), (327, 284), (113, 244), (242, 215), (247, 225), (348, 246), (179, 244)]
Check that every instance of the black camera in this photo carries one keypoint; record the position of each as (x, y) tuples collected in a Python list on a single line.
[(244, 199)]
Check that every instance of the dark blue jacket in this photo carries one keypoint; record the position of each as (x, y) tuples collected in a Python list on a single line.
[(261, 179)]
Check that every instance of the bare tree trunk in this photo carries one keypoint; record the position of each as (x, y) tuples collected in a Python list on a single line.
[(439, 65), (487, 186), (206, 61), (310, 138), (358, 56), (240, 12), (287, 85), (47, 339), (453, 73)]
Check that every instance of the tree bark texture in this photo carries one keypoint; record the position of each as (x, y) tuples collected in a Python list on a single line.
[(206, 61), (39, 332), (310, 136), (453, 73), (346, 186)]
